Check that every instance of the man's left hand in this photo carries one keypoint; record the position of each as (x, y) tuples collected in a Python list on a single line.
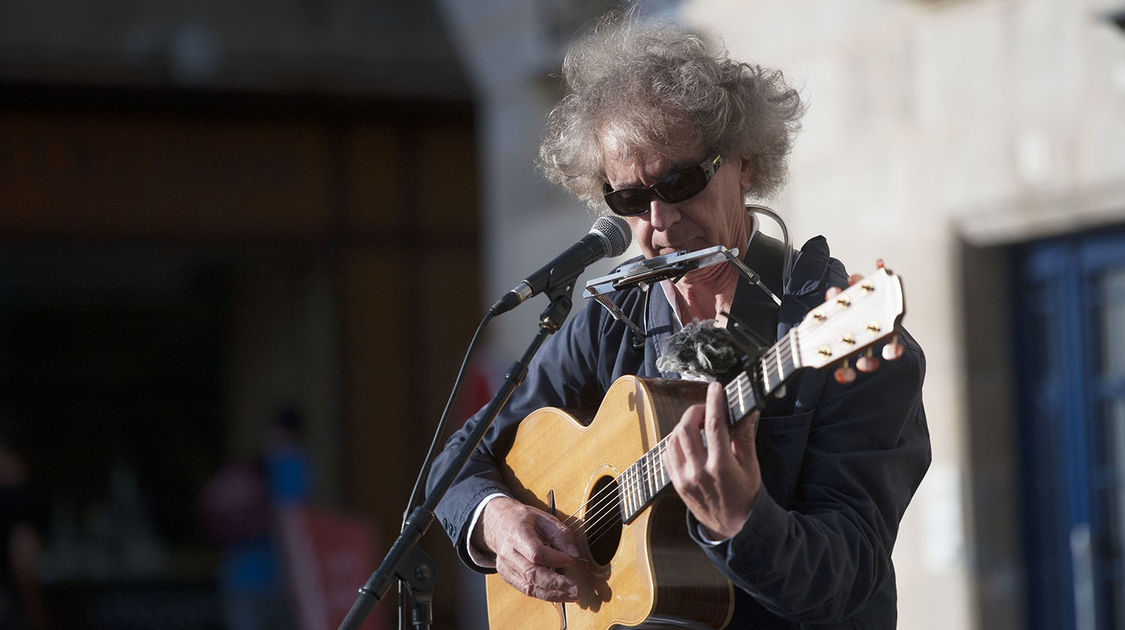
[(719, 480)]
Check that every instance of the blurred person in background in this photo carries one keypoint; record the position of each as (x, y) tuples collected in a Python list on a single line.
[(23, 517), (660, 126), (239, 508)]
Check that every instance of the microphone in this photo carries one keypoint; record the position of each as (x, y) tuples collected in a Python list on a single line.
[(609, 236)]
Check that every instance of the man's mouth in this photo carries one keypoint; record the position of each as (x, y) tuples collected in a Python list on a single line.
[(671, 249)]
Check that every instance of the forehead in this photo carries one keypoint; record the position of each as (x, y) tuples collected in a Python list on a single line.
[(620, 154)]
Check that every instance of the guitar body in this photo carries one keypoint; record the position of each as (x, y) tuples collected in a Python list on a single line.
[(649, 573)]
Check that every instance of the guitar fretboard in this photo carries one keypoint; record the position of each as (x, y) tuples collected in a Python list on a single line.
[(640, 482)]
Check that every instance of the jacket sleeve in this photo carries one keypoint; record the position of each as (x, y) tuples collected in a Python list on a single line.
[(838, 474), (825, 557), (562, 374)]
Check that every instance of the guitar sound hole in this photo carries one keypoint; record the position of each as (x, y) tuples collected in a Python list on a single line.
[(603, 521)]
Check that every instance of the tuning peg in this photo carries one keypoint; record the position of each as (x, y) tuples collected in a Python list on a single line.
[(893, 349), (845, 374), (867, 363)]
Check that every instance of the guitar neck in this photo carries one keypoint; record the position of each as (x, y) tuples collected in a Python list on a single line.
[(770, 372), (641, 482)]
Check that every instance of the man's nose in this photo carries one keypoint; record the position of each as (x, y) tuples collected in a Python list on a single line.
[(662, 215)]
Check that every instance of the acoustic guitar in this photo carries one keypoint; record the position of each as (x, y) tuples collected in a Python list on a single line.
[(602, 475)]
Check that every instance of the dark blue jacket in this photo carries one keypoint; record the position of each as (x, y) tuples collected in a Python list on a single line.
[(839, 463)]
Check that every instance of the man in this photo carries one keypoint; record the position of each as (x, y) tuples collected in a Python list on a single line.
[(800, 510)]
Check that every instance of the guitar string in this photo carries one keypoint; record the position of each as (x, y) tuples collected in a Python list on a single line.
[(647, 469), (603, 523), (606, 499), (592, 522), (635, 480), (651, 467), (781, 351), (644, 473), (598, 523), (599, 520), (598, 499), (644, 478)]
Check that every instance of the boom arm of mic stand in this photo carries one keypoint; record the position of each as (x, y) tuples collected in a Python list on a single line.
[(405, 560)]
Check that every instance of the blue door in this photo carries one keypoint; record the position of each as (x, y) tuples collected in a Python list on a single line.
[(1070, 349)]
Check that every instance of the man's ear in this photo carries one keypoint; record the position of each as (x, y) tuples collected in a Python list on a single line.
[(746, 170)]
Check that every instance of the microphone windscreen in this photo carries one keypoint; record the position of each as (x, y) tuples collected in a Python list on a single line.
[(616, 234), (700, 350)]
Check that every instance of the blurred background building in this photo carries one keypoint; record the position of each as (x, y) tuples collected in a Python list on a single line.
[(213, 215), (209, 213)]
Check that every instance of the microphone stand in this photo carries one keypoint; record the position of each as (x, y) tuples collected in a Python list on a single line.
[(405, 560)]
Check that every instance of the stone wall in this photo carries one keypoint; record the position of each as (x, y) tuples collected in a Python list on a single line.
[(936, 132)]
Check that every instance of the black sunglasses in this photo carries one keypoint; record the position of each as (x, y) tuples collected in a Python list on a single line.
[(675, 187)]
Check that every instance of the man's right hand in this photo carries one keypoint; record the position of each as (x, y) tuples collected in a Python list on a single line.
[(530, 545)]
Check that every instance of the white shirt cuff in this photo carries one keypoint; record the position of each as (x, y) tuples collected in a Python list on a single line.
[(705, 539), (479, 556)]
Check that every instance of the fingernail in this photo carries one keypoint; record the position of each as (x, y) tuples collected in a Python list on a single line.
[(572, 551), (572, 592)]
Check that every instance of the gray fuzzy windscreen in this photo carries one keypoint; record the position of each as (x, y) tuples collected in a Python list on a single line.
[(700, 350)]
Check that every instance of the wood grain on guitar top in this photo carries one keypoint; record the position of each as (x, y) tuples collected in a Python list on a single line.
[(646, 573)]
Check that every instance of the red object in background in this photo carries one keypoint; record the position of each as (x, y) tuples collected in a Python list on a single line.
[(476, 392), (328, 556)]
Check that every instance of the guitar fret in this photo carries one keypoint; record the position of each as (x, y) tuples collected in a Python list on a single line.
[(640, 483), (662, 471), (765, 374), (768, 368), (638, 497), (780, 372), (738, 391), (627, 496), (741, 396), (666, 478), (634, 497), (644, 479), (622, 500), (661, 448), (732, 396), (645, 494), (638, 491), (792, 335), (649, 476), (633, 502)]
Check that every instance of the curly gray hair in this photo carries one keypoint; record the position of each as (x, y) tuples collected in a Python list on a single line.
[(643, 82)]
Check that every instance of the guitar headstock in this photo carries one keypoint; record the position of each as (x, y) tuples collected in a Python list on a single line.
[(857, 318)]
